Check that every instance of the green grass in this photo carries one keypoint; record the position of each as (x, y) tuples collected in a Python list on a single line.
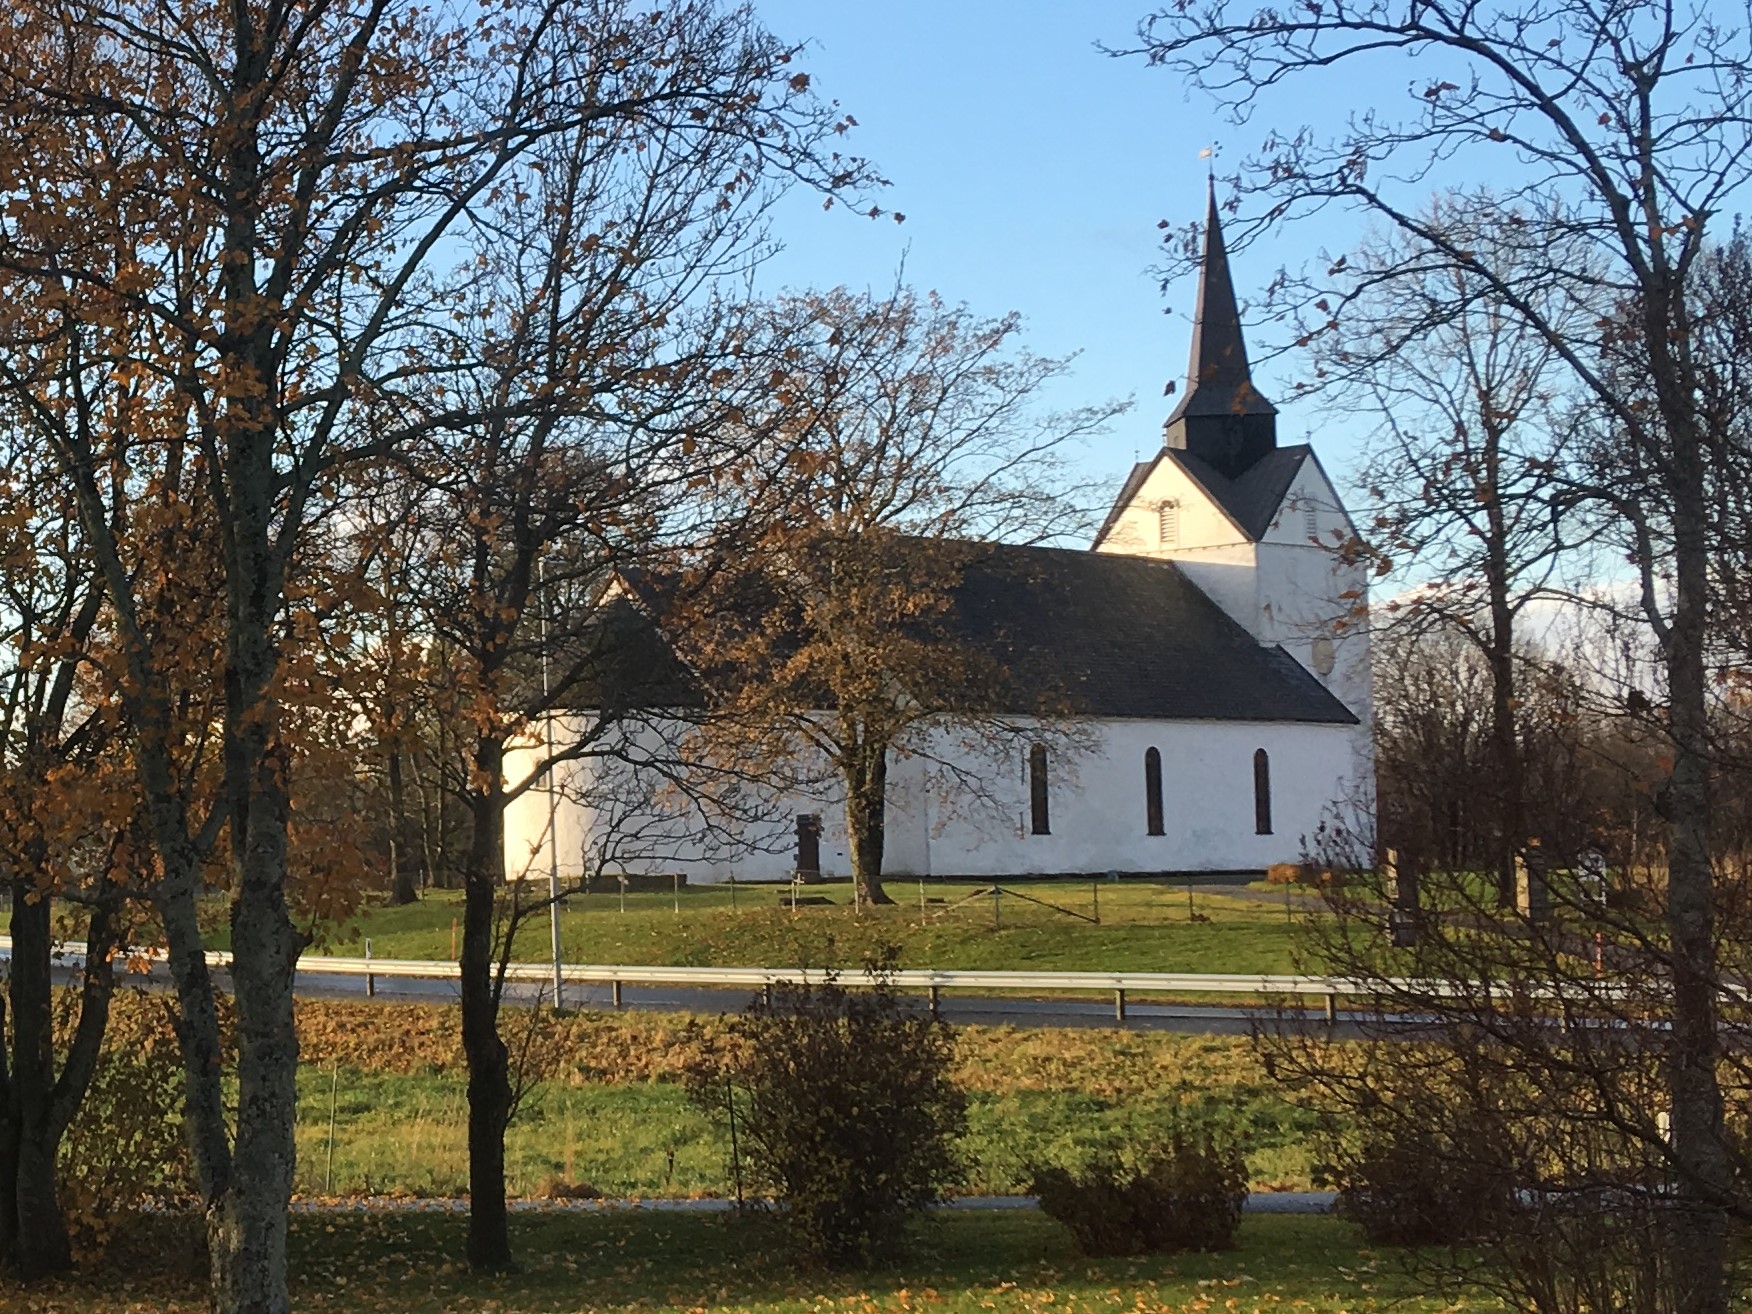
[(1145, 926), (400, 1133), (963, 1263)]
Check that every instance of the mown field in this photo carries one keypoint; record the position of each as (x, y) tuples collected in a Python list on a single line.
[(961, 1263), (1144, 926), (613, 1115)]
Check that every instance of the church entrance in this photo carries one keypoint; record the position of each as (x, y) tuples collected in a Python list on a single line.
[(808, 863)]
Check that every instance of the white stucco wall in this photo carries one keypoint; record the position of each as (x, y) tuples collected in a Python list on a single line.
[(1284, 589), (1289, 588), (1098, 816), (1309, 596)]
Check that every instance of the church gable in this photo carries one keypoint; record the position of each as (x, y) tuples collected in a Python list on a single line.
[(1221, 483), (1164, 507), (1308, 511)]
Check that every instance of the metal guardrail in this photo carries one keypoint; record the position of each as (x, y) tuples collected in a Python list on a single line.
[(1328, 989), (931, 980)]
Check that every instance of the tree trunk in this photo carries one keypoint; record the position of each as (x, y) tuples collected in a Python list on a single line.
[(866, 822), (1705, 1176), (39, 1238), (1505, 739), (246, 1225), (489, 1067), (402, 887), (247, 1212), (38, 1104), (8, 1186)]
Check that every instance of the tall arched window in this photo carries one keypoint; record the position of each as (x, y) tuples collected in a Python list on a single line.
[(1261, 793), (1037, 790), (1153, 789)]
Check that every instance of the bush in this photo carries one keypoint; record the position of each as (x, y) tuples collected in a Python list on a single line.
[(125, 1150), (840, 1106), (1407, 1184), (1185, 1192)]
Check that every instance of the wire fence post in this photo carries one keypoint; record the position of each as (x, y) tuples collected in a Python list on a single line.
[(328, 1171), (735, 1152)]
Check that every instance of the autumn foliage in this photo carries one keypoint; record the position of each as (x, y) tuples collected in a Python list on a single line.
[(844, 1112)]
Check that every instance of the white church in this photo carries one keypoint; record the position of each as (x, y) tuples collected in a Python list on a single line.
[(1213, 638)]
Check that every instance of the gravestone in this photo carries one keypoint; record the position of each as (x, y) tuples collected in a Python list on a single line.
[(1402, 898), (1532, 894)]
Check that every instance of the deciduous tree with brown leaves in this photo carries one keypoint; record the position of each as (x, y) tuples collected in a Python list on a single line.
[(914, 433), (268, 219)]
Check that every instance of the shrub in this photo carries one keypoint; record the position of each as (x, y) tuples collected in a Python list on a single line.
[(1185, 1192), (841, 1107), (1408, 1184), (125, 1149)]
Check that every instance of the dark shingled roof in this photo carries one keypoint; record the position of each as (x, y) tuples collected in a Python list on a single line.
[(619, 661), (1090, 634), (1254, 498), (1250, 501), (1120, 636)]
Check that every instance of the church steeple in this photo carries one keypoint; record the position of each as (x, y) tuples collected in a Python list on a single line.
[(1222, 418)]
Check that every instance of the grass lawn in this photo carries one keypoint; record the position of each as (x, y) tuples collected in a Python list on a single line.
[(962, 1263), (613, 1113), (407, 1134), (1145, 926)]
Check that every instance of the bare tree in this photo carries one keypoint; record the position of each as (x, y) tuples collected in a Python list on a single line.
[(1463, 468), (1626, 130), (912, 434), (596, 388)]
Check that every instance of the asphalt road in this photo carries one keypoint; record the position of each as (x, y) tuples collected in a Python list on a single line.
[(971, 1009), (966, 1008)]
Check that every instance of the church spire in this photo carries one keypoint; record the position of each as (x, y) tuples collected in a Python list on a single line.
[(1222, 417)]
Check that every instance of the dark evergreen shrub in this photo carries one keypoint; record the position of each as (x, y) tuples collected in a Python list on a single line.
[(842, 1112), (1183, 1192)]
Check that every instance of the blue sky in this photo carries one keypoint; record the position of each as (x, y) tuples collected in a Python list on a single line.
[(1033, 171)]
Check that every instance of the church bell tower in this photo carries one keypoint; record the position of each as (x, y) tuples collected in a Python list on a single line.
[(1222, 419)]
